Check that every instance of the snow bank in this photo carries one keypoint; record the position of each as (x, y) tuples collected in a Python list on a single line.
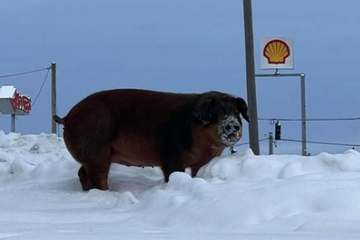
[(238, 196)]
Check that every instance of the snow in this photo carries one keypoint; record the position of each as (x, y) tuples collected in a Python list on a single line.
[(241, 196)]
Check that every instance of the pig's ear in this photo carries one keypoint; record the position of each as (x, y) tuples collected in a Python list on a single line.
[(243, 109)]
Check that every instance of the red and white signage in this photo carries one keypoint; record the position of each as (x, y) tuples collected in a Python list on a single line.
[(12, 102)]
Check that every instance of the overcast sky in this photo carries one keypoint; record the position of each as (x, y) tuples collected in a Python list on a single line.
[(187, 46)]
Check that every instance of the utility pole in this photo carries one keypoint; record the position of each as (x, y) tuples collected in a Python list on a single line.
[(53, 96), (250, 78)]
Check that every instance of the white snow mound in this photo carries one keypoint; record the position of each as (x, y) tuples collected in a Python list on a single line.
[(241, 196)]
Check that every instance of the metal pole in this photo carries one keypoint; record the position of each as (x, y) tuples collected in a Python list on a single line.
[(250, 78), (271, 142), (53, 96), (303, 104), (13, 123), (303, 115)]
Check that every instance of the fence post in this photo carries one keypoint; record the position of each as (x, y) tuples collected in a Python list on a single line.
[(53, 96), (271, 142), (303, 114)]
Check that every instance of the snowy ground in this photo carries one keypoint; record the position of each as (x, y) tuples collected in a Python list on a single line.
[(235, 197)]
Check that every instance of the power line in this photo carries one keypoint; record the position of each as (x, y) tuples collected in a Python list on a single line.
[(47, 73), (246, 143), (24, 73), (311, 142), (309, 119), (324, 143), (30, 72)]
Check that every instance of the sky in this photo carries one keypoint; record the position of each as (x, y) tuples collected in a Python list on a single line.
[(242, 196), (187, 46)]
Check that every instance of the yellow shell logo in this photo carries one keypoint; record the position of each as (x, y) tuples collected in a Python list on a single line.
[(276, 51)]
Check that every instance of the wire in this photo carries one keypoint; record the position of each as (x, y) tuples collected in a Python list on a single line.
[(324, 143), (311, 142), (23, 73), (42, 86), (241, 144), (310, 119)]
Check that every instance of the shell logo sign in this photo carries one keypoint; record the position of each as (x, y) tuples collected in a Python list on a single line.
[(277, 53)]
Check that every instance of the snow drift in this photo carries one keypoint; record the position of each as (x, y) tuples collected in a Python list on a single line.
[(241, 196)]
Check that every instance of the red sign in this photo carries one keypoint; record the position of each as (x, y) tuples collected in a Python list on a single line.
[(21, 103), (12, 102)]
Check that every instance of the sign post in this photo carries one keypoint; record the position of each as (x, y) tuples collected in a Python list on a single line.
[(13, 122), (277, 53)]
